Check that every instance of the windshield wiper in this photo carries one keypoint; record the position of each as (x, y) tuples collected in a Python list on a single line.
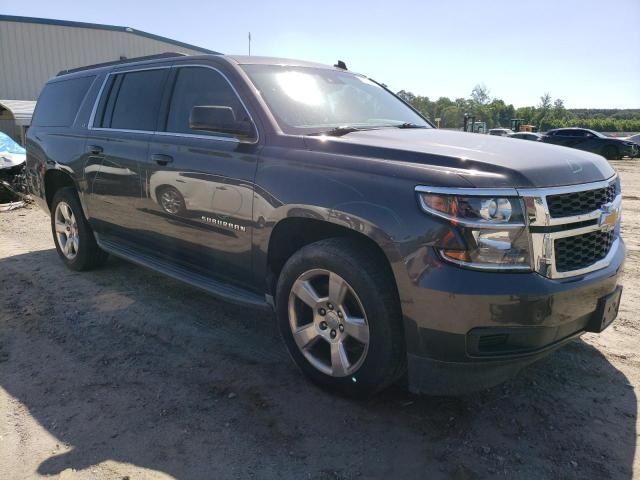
[(339, 131), (408, 125), (344, 129)]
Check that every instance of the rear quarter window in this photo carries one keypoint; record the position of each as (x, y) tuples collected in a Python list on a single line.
[(59, 102)]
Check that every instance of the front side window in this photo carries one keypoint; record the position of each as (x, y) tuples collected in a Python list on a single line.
[(132, 100), (200, 86), (307, 100)]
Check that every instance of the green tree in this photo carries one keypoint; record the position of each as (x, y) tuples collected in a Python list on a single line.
[(480, 94)]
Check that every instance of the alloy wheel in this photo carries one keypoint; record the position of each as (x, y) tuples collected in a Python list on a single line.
[(328, 322), (171, 201), (66, 230)]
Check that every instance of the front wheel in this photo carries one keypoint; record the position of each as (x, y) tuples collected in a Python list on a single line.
[(339, 316)]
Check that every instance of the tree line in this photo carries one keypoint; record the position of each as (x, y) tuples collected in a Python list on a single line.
[(548, 114)]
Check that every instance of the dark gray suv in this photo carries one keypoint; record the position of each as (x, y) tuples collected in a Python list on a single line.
[(388, 249)]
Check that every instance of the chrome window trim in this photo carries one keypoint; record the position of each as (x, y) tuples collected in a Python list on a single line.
[(171, 134), (205, 137)]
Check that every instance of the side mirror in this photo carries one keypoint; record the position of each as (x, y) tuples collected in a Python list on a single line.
[(216, 118)]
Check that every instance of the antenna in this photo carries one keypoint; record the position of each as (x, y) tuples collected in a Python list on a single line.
[(249, 43)]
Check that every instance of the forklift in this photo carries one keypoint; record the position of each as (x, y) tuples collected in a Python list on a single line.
[(518, 125)]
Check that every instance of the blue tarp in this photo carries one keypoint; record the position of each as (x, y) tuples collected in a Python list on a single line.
[(8, 145)]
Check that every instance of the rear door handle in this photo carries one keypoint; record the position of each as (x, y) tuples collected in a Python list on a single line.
[(95, 149), (161, 159)]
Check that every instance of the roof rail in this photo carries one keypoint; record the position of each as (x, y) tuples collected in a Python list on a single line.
[(123, 61)]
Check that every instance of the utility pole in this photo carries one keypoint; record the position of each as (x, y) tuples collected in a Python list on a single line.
[(249, 43)]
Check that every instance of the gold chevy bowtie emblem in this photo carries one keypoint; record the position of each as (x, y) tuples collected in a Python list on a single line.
[(608, 220)]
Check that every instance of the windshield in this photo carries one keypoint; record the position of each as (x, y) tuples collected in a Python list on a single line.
[(308, 100), (8, 145)]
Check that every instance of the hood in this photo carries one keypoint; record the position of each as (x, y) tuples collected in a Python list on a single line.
[(482, 160)]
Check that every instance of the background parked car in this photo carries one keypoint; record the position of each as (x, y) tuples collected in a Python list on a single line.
[(633, 138), (525, 136), (591, 141), (501, 132)]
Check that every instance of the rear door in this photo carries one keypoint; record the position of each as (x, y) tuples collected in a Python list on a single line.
[(562, 137), (198, 185), (118, 138)]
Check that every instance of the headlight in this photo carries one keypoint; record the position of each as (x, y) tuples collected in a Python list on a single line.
[(467, 209), (492, 225)]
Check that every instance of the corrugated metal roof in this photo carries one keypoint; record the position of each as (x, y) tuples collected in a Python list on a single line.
[(22, 110), (98, 26)]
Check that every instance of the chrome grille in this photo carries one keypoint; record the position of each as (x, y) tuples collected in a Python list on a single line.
[(579, 203), (573, 229), (580, 251)]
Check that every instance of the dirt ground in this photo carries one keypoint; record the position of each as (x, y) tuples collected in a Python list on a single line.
[(122, 373)]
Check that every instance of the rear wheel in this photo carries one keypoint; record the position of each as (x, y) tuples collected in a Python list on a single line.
[(72, 234), (339, 317)]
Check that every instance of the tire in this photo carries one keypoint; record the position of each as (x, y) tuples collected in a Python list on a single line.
[(367, 362), (610, 153), (171, 200), (72, 234)]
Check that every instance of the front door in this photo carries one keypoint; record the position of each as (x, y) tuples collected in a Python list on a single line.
[(198, 185)]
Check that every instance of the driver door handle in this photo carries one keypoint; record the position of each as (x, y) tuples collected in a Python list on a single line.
[(161, 159)]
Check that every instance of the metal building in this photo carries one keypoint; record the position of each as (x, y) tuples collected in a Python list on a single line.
[(36, 49)]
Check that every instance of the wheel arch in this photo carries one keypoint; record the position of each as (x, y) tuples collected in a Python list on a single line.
[(302, 226), (54, 180)]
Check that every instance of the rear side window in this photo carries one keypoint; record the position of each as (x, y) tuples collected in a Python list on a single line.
[(199, 86), (59, 102), (131, 100)]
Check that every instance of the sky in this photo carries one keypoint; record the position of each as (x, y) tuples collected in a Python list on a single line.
[(586, 52)]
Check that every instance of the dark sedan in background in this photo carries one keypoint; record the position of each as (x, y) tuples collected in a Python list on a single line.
[(592, 141)]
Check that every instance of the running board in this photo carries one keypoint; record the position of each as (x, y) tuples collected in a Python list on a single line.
[(221, 290)]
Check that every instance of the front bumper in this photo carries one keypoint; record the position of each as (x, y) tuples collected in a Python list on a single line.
[(466, 330)]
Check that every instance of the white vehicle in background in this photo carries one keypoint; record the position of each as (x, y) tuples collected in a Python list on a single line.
[(501, 132), (11, 154), (525, 136), (179, 192)]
